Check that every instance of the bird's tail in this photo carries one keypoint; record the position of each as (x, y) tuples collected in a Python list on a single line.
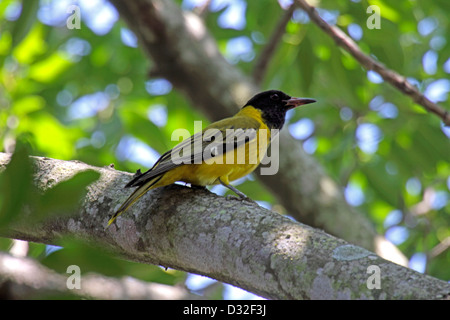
[(139, 192)]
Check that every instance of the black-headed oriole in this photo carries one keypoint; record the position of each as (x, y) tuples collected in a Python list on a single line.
[(224, 151)]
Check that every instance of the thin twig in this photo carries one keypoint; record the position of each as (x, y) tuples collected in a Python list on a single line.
[(263, 61), (440, 248), (202, 9), (395, 79)]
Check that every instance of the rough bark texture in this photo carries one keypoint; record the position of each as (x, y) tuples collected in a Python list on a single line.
[(224, 238), (183, 52)]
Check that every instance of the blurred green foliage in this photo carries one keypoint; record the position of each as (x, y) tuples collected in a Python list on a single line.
[(76, 94), (17, 176), (19, 197)]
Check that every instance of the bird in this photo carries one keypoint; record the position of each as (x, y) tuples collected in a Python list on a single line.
[(224, 151)]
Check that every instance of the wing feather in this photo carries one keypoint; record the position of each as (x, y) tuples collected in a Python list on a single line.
[(215, 136)]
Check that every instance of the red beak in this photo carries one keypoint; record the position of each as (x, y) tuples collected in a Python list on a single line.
[(295, 102)]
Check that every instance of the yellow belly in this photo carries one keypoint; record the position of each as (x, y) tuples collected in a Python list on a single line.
[(208, 174), (233, 164), (230, 166)]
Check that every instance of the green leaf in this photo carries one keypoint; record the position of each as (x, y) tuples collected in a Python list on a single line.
[(387, 187), (95, 259), (25, 22), (16, 187), (65, 197), (142, 128), (88, 258)]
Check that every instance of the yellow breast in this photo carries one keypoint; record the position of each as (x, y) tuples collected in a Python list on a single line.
[(235, 162)]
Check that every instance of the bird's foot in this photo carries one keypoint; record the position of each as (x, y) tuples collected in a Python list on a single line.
[(239, 197)]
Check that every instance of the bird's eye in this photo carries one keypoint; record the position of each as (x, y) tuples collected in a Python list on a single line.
[(274, 97)]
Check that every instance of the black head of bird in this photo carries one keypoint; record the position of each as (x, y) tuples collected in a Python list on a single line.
[(274, 104)]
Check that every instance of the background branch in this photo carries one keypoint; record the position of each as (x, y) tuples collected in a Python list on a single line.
[(262, 63), (226, 239), (395, 79), (25, 278)]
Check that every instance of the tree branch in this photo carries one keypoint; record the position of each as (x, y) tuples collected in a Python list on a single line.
[(223, 238), (395, 79), (24, 278), (184, 53), (262, 63)]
